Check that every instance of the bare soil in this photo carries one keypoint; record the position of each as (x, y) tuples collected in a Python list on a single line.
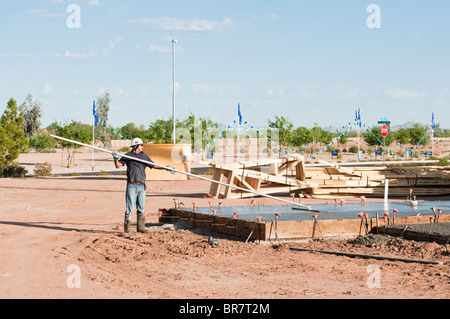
[(51, 226)]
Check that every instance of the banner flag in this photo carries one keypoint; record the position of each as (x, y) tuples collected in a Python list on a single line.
[(95, 115), (239, 114)]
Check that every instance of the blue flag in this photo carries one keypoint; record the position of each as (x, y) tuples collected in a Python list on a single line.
[(239, 114), (94, 112), (359, 117), (433, 125)]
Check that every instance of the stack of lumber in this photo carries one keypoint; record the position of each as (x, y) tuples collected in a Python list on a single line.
[(290, 175), (334, 180)]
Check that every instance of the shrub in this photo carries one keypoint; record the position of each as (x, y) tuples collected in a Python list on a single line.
[(443, 162), (74, 174), (103, 173), (41, 170), (12, 136), (13, 170), (353, 149)]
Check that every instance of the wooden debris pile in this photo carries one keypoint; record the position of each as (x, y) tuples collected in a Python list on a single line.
[(290, 175), (265, 177)]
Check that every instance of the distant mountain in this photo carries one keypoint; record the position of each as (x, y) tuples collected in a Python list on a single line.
[(406, 125), (331, 128)]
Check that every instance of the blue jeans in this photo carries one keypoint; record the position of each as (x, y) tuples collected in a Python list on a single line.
[(135, 196)]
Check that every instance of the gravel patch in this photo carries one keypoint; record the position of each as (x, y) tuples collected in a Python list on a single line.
[(370, 240), (442, 229)]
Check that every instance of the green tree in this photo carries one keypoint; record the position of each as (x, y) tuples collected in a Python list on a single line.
[(75, 131), (372, 140), (102, 108), (12, 136), (160, 131), (31, 111), (320, 136), (284, 127), (416, 133), (440, 132), (300, 136), (201, 130), (130, 131), (342, 140), (402, 136), (41, 141)]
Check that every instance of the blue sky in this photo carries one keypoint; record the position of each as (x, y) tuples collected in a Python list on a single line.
[(310, 61)]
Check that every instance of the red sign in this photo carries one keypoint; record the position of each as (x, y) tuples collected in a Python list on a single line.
[(384, 130)]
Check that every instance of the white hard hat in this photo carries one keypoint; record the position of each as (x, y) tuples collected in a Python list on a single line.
[(136, 141)]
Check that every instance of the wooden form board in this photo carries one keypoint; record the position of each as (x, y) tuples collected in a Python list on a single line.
[(286, 230), (219, 224)]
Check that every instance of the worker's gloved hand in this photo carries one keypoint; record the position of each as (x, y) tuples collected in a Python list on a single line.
[(169, 168), (116, 156)]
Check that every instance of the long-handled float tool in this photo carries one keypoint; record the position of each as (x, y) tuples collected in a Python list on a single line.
[(296, 205)]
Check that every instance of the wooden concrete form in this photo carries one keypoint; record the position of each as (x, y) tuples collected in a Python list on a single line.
[(249, 176), (219, 224), (286, 230)]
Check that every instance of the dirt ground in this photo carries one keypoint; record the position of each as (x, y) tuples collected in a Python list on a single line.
[(61, 237)]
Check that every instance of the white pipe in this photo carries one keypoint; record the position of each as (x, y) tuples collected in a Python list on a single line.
[(182, 172), (93, 141), (173, 88), (386, 190)]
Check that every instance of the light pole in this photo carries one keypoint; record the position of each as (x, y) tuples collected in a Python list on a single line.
[(173, 86)]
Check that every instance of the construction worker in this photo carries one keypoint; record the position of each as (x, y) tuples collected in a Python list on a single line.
[(136, 187)]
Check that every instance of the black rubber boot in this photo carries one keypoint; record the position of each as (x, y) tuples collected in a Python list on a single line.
[(141, 224), (127, 225)]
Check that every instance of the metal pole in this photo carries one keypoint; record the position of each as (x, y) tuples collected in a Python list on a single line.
[(359, 131), (432, 142), (173, 87), (185, 173), (93, 140), (94, 113)]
